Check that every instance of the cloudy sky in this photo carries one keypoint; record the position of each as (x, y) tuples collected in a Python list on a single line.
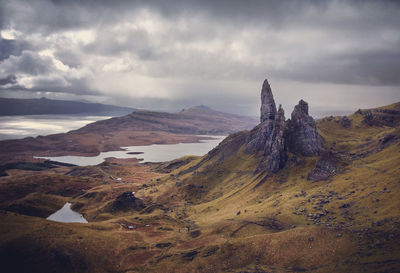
[(172, 54)]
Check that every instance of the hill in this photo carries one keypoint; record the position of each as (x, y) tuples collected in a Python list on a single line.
[(333, 212), (141, 127), (331, 204), (195, 120), (43, 106)]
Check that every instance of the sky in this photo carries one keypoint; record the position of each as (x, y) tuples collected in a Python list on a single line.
[(172, 54)]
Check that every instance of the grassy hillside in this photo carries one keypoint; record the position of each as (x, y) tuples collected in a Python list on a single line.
[(216, 214)]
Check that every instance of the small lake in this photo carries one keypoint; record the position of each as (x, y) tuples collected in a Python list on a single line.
[(149, 153), (67, 215)]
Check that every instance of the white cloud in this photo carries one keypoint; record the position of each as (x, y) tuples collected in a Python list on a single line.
[(9, 34)]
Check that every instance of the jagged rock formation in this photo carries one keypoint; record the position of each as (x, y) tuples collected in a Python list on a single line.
[(274, 136), (302, 135), (275, 150), (268, 107), (260, 135), (268, 136)]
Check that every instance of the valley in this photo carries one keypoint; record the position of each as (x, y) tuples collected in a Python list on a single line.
[(255, 203)]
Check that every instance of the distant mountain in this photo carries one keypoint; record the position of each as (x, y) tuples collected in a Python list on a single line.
[(140, 127), (195, 120), (43, 106)]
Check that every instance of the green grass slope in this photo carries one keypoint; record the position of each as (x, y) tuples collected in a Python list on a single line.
[(358, 206)]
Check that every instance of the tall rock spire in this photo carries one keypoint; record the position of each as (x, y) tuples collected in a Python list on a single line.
[(268, 136), (268, 107), (274, 136)]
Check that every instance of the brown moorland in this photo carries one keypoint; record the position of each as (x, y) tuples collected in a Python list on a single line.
[(215, 213)]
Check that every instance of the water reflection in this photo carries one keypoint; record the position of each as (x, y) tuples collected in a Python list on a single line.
[(149, 153), (67, 215)]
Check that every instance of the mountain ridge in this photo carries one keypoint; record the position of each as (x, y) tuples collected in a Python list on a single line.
[(44, 106)]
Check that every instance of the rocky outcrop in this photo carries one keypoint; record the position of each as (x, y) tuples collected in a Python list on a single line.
[(268, 107), (302, 135), (127, 201), (259, 136), (345, 122), (325, 167), (268, 136), (273, 137), (274, 157), (381, 116)]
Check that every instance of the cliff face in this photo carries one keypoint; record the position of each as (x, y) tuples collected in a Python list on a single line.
[(274, 136), (275, 150), (302, 134)]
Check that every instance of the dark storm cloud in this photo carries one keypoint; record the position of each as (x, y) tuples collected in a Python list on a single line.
[(11, 47), (54, 84), (33, 72), (368, 68), (62, 85), (28, 63), (348, 20), (10, 79), (193, 50), (51, 16), (67, 14)]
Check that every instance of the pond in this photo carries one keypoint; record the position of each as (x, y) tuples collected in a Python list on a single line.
[(67, 215)]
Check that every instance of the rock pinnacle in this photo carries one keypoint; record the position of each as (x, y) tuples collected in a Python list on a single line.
[(268, 107)]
